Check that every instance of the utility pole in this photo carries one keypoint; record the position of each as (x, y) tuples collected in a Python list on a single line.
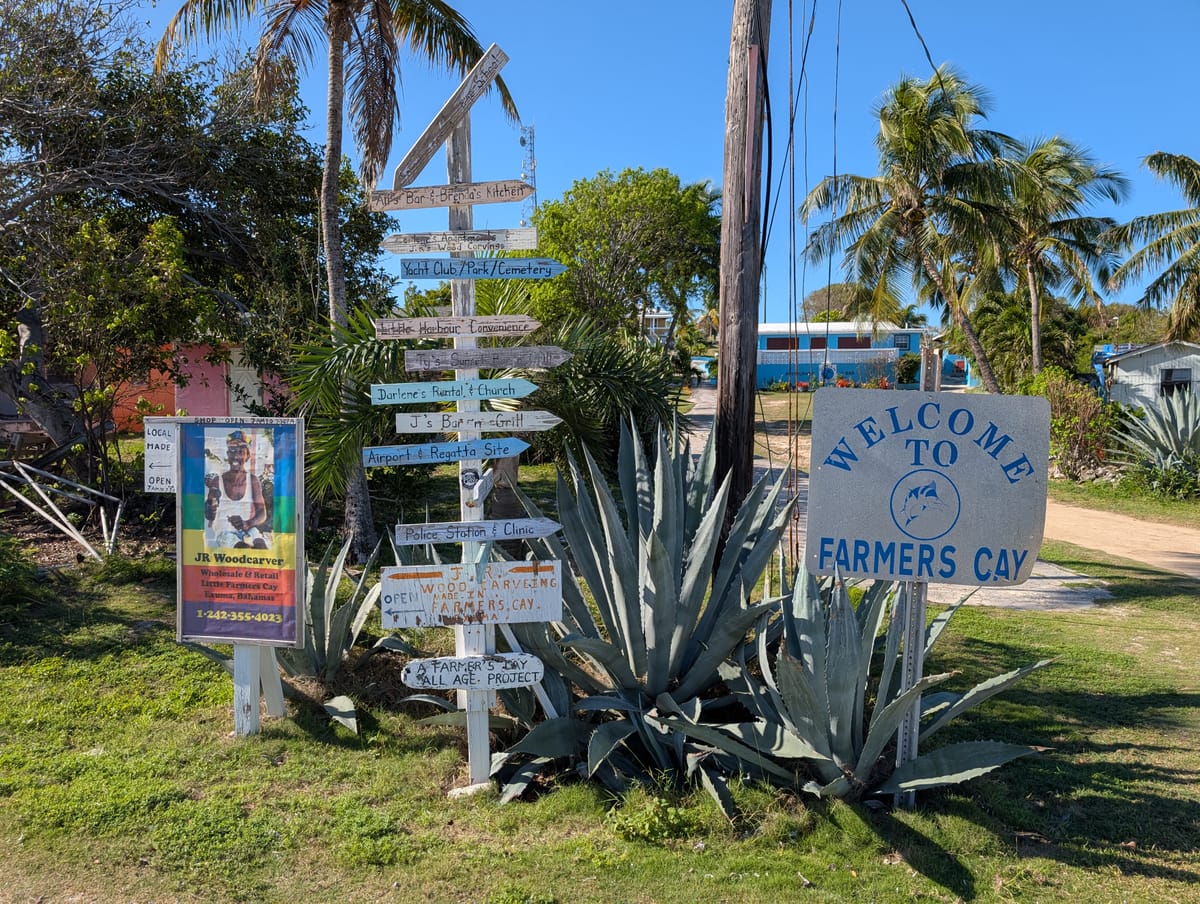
[(741, 251)]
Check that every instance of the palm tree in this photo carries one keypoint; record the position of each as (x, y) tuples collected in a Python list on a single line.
[(1171, 242), (927, 213), (362, 41), (1051, 243)]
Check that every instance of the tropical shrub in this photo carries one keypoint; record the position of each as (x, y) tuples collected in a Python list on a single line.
[(908, 368), (805, 722), (1081, 423), (653, 603), (18, 572)]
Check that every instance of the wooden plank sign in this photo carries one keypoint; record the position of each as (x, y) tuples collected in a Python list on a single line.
[(456, 240), (493, 673), (460, 195), (449, 327), (480, 268), (472, 88), (449, 391), (441, 453), (481, 489), (520, 421), (475, 531), (530, 356), (415, 596)]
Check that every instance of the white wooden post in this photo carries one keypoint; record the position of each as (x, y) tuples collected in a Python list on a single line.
[(247, 668), (913, 666)]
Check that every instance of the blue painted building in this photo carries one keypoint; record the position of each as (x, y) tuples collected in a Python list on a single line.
[(816, 353)]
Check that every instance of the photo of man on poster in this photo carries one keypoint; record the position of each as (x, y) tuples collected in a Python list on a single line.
[(237, 511)]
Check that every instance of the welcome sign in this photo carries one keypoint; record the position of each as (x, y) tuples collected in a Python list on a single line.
[(939, 487), (240, 547)]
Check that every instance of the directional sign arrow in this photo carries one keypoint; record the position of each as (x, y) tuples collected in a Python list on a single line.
[(477, 81), (521, 239), (474, 531), (449, 391), (492, 672), (458, 195), (520, 421), (440, 453), (480, 268), (438, 327), (532, 356), (416, 596)]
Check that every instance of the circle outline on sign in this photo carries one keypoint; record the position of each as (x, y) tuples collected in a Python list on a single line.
[(892, 506)]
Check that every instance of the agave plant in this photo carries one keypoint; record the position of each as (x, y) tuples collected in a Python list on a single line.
[(652, 603), (1158, 435), (808, 713)]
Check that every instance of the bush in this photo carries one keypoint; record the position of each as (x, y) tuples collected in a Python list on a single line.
[(908, 368), (18, 572), (1081, 423)]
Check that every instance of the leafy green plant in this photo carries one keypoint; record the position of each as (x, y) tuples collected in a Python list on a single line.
[(654, 821), (651, 603), (18, 572), (1080, 421), (1163, 445), (809, 709)]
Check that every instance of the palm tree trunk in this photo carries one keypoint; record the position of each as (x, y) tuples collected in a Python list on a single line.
[(963, 322), (1035, 318), (357, 507)]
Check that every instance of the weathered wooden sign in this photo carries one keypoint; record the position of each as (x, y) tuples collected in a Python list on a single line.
[(521, 421), (480, 268), (455, 240), (450, 327), (479, 488), (487, 672), (475, 531), (472, 88), (417, 596), (160, 455), (530, 356), (460, 195), (449, 391), (441, 453)]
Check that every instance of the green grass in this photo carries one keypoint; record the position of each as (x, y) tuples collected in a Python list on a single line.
[(1117, 498), (119, 780)]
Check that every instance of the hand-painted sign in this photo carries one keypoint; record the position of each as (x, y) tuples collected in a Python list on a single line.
[(519, 421), (241, 548), (480, 268), (422, 595), (493, 672), (522, 239), (531, 356), (441, 453), (159, 434), (477, 81), (461, 194), (449, 327), (449, 391), (474, 531), (936, 487)]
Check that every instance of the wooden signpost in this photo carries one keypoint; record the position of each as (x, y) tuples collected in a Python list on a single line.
[(416, 197), (527, 356), (453, 112), (480, 268), (522, 239), (478, 531), (442, 453), (519, 421), (421, 596), (449, 391), (450, 327), (490, 673)]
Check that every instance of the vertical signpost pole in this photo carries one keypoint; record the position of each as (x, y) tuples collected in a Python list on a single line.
[(915, 593), (469, 640)]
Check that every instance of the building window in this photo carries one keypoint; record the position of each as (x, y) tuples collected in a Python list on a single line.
[(902, 340), (1176, 379), (854, 342), (817, 342), (782, 342)]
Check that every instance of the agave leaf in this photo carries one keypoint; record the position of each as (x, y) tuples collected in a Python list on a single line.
[(839, 787), (535, 638), (396, 644), (520, 780), (939, 622), (431, 700), (660, 621), (718, 788), (606, 655), (458, 719), (979, 693), (952, 764), (889, 721), (700, 481), (581, 528), (771, 738), (891, 651), (803, 705), (667, 523), (845, 675), (725, 637), (804, 635), (710, 734), (606, 702), (341, 710), (604, 739)]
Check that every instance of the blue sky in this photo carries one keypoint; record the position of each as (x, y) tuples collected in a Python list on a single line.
[(610, 85)]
